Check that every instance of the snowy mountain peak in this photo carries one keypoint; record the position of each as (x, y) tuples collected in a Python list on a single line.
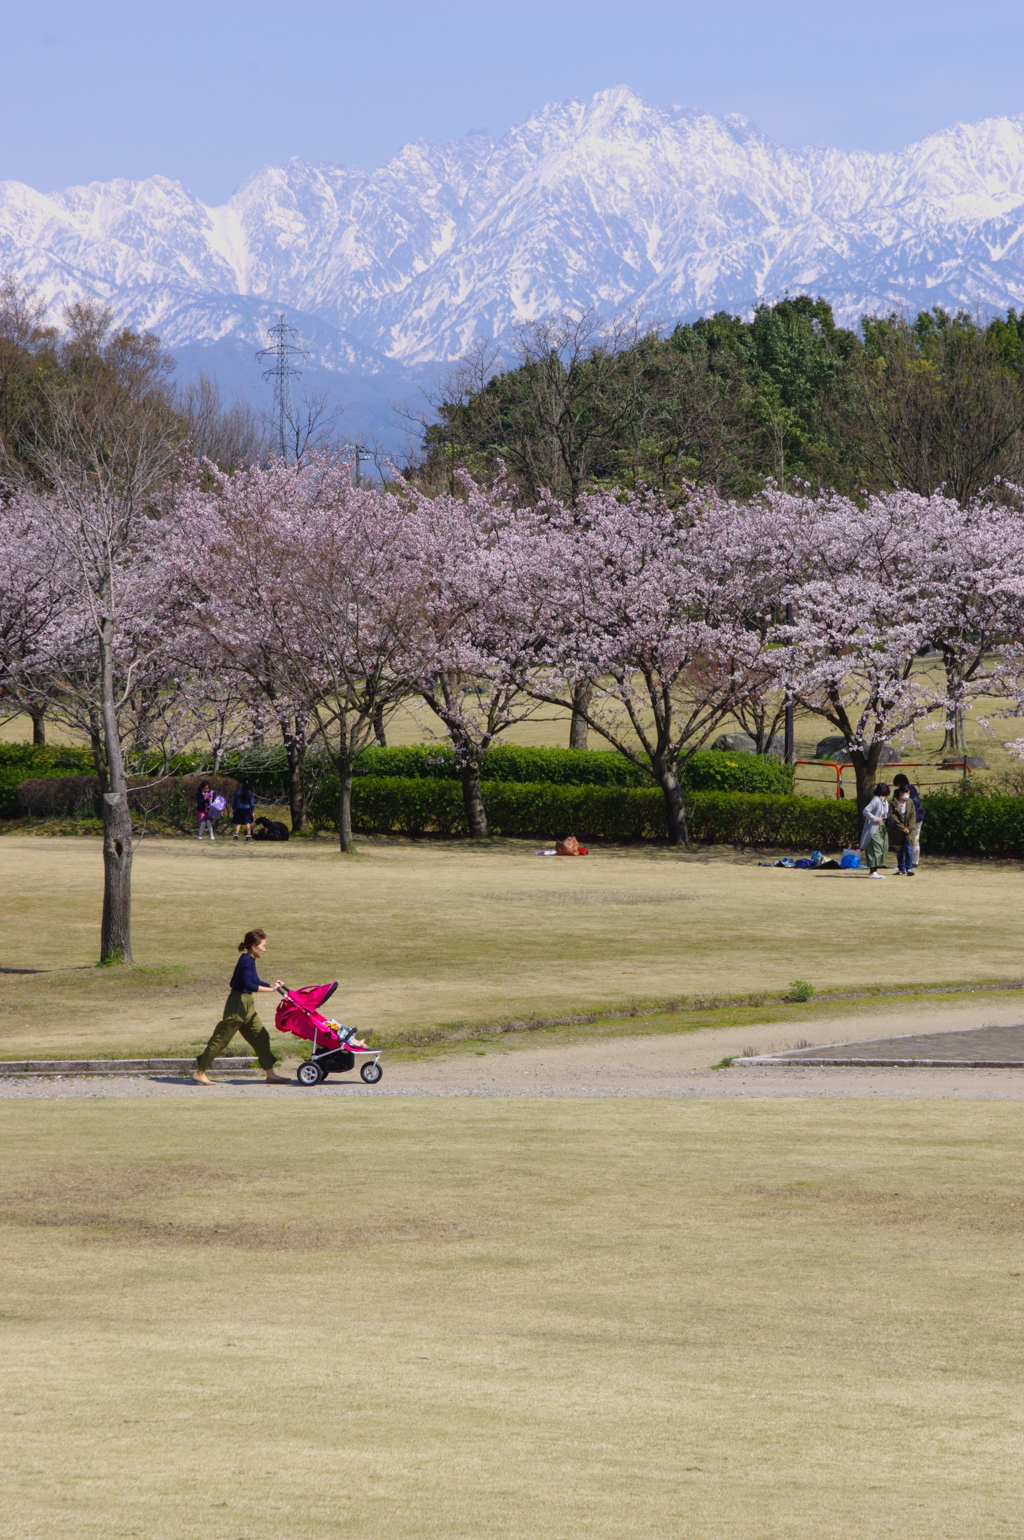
[(605, 203)]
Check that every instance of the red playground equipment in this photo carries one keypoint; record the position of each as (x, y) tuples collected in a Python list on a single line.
[(333, 1049)]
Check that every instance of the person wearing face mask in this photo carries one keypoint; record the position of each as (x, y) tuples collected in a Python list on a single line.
[(915, 797), (902, 824)]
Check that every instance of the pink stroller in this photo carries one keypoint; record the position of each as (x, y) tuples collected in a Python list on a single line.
[(298, 1013)]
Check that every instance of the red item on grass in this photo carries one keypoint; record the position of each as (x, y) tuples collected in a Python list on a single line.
[(570, 847)]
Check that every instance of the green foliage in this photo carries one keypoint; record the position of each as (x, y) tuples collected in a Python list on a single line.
[(56, 796), (27, 761), (791, 823), (169, 801), (506, 762), (723, 400), (545, 811), (509, 765), (787, 395), (800, 991), (973, 824), (414, 760), (266, 768), (718, 770), (89, 362)]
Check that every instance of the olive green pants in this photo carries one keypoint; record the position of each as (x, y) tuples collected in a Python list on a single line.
[(876, 851), (239, 1016)]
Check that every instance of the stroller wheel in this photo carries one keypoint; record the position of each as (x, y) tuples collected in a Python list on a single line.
[(309, 1073), (371, 1073)]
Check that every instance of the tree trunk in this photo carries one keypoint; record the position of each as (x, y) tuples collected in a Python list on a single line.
[(38, 725), (295, 754), (96, 747), (955, 741), (116, 929), (476, 813), (866, 770), (675, 806), (578, 726), (345, 840), (378, 730)]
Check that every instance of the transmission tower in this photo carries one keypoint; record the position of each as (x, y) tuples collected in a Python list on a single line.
[(282, 351)]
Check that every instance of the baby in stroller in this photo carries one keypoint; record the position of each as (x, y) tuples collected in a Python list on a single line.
[(334, 1046)]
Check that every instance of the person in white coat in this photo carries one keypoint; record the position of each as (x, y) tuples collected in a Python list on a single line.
[(874, 836)]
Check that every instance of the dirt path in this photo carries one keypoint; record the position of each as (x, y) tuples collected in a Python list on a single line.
[(668, 1065)]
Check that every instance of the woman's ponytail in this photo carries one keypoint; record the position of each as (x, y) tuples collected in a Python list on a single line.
[(252, 937)]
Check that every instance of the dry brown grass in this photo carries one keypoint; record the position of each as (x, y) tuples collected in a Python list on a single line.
[(437, 1320), (427, 934)]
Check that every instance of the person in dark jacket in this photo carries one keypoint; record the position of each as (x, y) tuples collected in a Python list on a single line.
[(240, 1013), (243, 807), (921, 815), (902, 822)]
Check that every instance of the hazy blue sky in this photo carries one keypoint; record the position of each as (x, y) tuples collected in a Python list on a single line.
[(206, 92)]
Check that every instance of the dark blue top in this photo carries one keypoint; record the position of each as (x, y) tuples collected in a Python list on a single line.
[(244, 802), (245, 978), (915, 798)]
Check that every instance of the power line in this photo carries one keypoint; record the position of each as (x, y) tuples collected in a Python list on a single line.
[(282, 351)]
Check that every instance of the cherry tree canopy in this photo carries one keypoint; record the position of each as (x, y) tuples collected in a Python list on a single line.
[(311, 584), (661, 610)]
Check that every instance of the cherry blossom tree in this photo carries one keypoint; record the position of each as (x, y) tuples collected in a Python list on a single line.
[(655, 606), (30, 600), (480, 613), (865, 605), (95, 469), (971, 561), (309, 584), (231, 546)]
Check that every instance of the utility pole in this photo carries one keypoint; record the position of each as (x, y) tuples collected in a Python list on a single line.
[(357, 450), (282, 372)]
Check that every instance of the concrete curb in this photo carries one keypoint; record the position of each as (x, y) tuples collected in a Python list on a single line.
[(120, 1066), (769, 1062)]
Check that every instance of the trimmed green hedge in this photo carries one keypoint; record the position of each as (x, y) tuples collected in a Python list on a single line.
[(29, 761), (973, 824), (540, 810), (708, 770), (505, 762), (793, 823), (267, 769), (715, 770), (170, 800)]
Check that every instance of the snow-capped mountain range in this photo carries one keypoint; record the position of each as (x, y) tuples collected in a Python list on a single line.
[(611, 203)]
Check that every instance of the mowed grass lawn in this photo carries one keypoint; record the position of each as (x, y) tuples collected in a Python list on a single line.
[(428, 934), (522, 1319)]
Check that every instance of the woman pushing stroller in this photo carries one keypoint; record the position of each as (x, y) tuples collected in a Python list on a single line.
[(240, 1013)]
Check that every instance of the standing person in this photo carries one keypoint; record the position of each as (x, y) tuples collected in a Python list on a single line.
[(921, 815), (902, 824), (204, 815), (243, 807), (240, 1013), (874, 840)]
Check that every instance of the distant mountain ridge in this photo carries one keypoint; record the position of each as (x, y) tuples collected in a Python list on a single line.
[(609, 204)]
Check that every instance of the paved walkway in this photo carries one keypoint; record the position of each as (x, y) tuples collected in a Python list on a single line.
[(983, 1048), (661, 1065)]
